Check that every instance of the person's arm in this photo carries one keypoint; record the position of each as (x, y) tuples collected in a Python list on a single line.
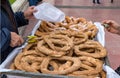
[(118, 28), (112, 26), (20, 18), (9, 38), (4, 39), (23, 17), (16, 40)]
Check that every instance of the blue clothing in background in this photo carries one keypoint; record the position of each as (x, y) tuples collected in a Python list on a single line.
[(33, 2)]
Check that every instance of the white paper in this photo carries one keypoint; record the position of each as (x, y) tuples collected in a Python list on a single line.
[(48, 12)]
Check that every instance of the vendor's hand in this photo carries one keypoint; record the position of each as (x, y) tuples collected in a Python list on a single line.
[(29, 12), (16, 40), (113, 26)]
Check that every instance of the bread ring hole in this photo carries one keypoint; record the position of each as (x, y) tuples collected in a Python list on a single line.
[(59, 45), (90, 50), (50, 67), (32, 47)]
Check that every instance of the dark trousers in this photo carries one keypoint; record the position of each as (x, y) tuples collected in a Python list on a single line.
[(111, 1), (94, 1)]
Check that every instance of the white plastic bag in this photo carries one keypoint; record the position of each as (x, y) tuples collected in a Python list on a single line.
[(110, 72), (101, 34), (48, 12)]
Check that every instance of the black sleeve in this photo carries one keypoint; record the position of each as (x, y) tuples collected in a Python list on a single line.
[(20, 19), (5, 38)]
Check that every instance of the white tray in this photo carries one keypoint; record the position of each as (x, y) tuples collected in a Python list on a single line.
[(4, 67)]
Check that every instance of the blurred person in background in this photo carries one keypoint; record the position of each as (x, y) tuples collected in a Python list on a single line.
[(34, 2), (9, 23), (98, 2)]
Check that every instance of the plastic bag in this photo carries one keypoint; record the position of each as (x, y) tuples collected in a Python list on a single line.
[(110, 72), (48, 12), (101, 34)]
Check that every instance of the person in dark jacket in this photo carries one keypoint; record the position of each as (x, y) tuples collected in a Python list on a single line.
[(34, 2), (9, 23), (98, 2)]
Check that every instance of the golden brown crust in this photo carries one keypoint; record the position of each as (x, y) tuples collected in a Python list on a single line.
[(99, 52), (12, 66), (76, 65), (24, 61), (87, 70), (46, 50), (58, 42)]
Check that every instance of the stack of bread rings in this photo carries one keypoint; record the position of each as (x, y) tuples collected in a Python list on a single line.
[(64, 48)]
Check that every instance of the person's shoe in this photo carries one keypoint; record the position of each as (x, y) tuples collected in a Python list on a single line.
[(94, 2), (99, 3), (111, 1)]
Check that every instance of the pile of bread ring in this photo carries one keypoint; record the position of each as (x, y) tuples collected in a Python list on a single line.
[(65, 48)]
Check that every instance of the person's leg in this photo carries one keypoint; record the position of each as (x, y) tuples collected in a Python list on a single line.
[(98, 1), (111, 1), (93, 1)]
